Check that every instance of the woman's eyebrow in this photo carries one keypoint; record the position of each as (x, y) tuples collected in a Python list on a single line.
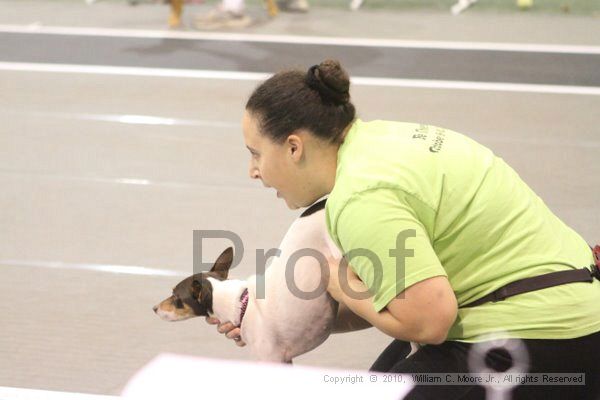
[(251, 149)]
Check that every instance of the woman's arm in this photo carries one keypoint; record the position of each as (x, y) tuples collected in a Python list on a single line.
[(386, 235), (347, 321), (423, 313)]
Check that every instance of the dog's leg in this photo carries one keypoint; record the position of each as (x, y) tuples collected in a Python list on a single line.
[(176, 11), (272, 8)]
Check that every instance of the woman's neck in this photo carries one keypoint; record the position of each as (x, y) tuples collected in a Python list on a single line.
[(326, 168)]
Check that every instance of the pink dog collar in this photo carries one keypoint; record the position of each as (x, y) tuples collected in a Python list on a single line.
[(244, 300)]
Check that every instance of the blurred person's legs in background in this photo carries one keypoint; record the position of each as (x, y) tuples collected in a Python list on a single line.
[(176, 11), (229, 14), (293, 5)]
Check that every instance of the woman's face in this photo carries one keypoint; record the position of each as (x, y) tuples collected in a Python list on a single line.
[(276, 165)]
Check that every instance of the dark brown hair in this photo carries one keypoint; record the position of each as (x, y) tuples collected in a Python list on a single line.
[(317, 100)]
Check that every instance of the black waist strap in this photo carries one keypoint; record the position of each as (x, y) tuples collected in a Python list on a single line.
[(537, 283), (544, 281)]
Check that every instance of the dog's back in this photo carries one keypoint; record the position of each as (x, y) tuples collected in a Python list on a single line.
[(296, 314)]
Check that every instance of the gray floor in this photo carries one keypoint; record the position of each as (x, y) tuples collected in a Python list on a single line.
[(383, 62), (79, 188)]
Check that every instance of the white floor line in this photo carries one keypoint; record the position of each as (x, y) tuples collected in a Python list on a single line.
[(12, 393), (133, 71), (113, 269), (252, 76), (484, 86), (221, 185), (293, 39), (154, 120), (145, 120), (129, 119)]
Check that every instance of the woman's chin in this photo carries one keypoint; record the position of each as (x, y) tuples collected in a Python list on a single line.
[(290, 205)]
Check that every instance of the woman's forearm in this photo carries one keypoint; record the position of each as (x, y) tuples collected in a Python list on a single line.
[(347, 321), (382, 320)]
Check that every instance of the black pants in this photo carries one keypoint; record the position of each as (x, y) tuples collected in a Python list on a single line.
[(580, 355)]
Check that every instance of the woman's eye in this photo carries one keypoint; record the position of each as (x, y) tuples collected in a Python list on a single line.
[(178, 303)]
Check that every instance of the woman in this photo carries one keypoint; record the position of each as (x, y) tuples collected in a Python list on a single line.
[(430, 222)]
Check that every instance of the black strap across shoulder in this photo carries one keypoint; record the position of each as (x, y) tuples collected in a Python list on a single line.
[(319, 205), (543, 282)]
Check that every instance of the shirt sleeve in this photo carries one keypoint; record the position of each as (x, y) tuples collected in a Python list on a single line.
[(386, 244)]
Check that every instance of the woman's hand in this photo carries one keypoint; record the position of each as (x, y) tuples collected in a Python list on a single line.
[(231, 331)]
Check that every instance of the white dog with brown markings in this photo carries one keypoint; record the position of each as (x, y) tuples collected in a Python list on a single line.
[(295, 315)]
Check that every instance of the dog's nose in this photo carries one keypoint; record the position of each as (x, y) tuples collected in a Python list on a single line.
[(155, 308)]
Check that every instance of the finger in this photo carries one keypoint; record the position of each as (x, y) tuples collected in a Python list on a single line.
[(226, 327), (234, 333), (238, 341), (212, 320)]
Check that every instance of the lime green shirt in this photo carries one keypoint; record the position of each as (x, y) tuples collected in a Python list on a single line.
[(413, 201)]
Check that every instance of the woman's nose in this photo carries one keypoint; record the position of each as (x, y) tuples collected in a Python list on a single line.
[(254, 174)]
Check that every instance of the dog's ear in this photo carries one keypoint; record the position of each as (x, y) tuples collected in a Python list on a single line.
[(196, 289), (221, 266), (201, 291)]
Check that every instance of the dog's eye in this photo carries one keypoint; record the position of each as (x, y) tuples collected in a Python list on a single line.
[(178, 303)]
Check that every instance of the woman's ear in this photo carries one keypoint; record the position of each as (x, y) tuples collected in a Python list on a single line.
[(296, 147)]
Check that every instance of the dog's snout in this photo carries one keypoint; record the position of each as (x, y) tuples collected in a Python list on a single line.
[(155, 308)]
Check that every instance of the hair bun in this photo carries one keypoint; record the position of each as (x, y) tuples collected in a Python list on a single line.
[(331, 81)]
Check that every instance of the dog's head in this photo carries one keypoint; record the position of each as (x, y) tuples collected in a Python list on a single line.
[(192, 297)]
